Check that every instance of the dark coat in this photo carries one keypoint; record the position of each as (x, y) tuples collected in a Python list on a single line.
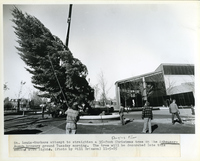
[(147, 112)]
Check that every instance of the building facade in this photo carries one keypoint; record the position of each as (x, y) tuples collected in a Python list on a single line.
[(167, 82)]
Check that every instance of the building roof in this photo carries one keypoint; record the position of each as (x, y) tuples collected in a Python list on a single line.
[(176, 69), (159, 69), (137, 77)]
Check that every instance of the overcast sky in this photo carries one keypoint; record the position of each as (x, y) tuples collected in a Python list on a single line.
[(121, 40)]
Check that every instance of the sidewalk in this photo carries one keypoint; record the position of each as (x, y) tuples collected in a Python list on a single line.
[(54, 130), (161, 124), (130, 128)]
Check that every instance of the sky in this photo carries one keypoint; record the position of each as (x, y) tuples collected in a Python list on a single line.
[(118, 40)]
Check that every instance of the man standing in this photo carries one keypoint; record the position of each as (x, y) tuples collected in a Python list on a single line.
[(173, 109), (147, 115), (121, 114), (72, 119)]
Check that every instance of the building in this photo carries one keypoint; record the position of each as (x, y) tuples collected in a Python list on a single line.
[(22, 103), (167, 82)]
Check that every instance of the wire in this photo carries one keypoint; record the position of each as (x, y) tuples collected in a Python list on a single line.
[(67, 40), (57, 80)]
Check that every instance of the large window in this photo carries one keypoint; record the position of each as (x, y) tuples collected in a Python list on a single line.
[(184, 99), (153, 90), (178, 70)]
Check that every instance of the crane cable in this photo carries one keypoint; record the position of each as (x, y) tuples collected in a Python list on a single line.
[(66, 43), (57, 80)]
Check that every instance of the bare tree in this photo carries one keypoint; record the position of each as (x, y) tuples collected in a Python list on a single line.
[(187, 81), (5, 87), (96, 91), (192, 77), (103, 87), (125, 94), (170, 84)]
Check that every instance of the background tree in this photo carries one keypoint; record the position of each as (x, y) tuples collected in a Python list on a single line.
[(6, 99), (125, 95), (151, 88), (103, 88), (8, 106), (5, 87), (96, 91), (36, 100), (42, 52), (170, 84)]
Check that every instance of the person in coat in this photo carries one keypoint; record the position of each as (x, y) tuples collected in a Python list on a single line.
[(121, 114), (173, 109), (72, 119), (147, 115)]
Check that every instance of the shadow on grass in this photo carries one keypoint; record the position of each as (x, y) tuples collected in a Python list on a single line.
[(128, 121), (25, 131), (154, 127)]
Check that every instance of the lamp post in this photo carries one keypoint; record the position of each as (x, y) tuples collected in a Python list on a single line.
[(20, 91)]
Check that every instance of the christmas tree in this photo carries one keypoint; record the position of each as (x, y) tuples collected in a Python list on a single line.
[(55, 71)]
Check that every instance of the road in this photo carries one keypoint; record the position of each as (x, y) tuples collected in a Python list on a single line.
[(161, 123)]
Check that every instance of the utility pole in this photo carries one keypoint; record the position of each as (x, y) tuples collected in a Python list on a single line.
[(69, 22)]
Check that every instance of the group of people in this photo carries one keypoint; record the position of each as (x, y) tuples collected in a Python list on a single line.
[(147, 115)]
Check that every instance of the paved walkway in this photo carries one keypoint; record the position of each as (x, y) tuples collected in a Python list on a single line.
[(133, 126), (161, 124)]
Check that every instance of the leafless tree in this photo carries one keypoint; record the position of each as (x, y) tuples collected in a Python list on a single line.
[(5, 87), (96, 91), (103, 87), (125, 94), (170, 84), (192, 77)]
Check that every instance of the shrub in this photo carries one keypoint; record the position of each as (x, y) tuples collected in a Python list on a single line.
[(8, 106)]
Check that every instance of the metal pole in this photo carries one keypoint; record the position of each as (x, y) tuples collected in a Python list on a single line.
[(69, 22), (117, 90), (145, 90)]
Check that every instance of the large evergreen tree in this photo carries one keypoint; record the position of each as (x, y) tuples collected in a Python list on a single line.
[(43, 52)]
